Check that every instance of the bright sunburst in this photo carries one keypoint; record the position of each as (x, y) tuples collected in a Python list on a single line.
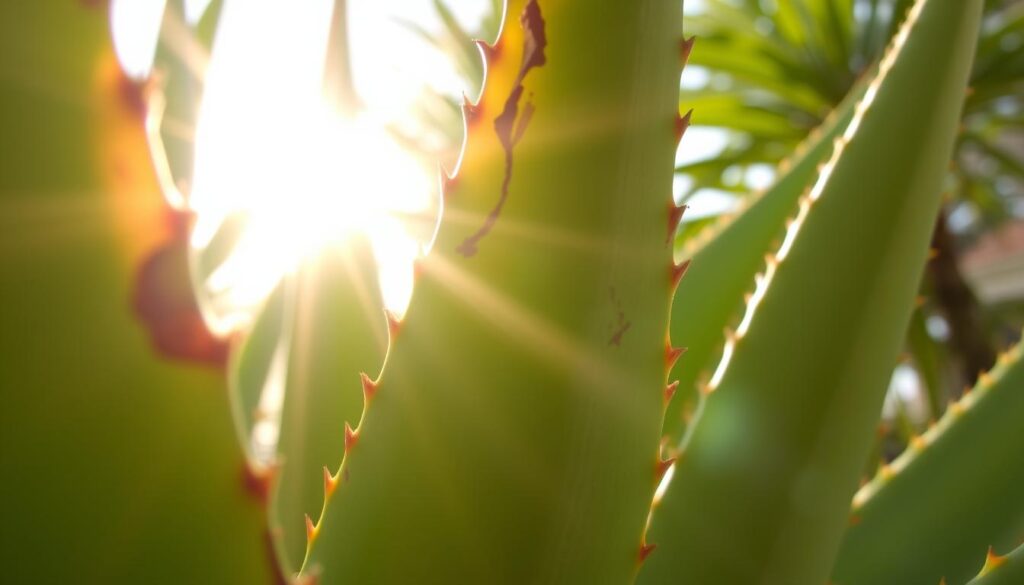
[(270, 148)]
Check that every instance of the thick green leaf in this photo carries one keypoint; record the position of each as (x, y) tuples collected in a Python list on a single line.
[(936, 509), (726, 256), (120, 465), (762, 488), (339, 332), (513, 435)]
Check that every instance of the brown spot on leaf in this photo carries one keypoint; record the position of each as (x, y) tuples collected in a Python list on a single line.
[(165, 303), (510, 124), (620, 326)]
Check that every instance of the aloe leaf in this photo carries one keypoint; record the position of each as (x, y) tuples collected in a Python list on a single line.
[(119, 461), (1002, 570), (513, 434), (776, 455), (339, 331), (935, 510), (726, 256)]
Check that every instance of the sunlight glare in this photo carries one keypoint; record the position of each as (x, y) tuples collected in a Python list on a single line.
[(135, 29), (271, 150)]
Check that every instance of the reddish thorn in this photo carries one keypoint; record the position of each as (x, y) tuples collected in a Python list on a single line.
[(470, 110), (310, 528), (662, 467), (682, 123), (670, 391), (369, 387), (489, 51), (329, 482), (645, 551), (447, 181), (678, 270), (672, 355), (350, 437), (675, 214), (685, 47), (394, 325)]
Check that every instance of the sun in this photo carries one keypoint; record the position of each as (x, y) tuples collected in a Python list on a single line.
[(292, 173)]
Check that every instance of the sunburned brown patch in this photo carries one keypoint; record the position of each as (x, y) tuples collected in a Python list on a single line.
[(620, 325), (165, 304), (511, 124)]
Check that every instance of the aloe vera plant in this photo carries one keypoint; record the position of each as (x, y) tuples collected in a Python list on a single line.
[(559, 403)]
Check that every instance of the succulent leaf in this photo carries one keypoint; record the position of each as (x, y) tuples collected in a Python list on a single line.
[(726, 256), (952, 493), (513, 434), (776, 453), (120, 465), (340, 331)]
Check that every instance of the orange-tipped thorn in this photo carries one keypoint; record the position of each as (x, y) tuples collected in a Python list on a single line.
[(447, 181), (675, 215), (470, 110), (670, 391), (672, 355), (330, 482), (645, 551), (992, 562), (369, 387), (918, 443), (310, 529), (489, 51), (394, 325), (885, 472), (685, 48), (985, 379), (351, 437), (678, 270), (682, 123)]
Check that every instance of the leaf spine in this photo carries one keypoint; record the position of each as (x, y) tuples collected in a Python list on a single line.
[(685, 48), (369, 387), (351, 437), (670, 391)]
